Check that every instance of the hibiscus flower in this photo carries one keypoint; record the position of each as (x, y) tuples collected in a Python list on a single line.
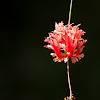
[(66, 42)]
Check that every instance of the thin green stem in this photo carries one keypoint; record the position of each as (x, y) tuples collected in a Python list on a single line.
[(70, 12)]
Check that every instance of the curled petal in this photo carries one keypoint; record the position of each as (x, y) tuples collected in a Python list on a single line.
[(60, 60), (49, 47), (80, 56), (53, 54), (74, 59), (81, 49), (56, 59)]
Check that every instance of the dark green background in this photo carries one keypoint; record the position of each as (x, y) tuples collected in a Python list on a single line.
[(27, 71)]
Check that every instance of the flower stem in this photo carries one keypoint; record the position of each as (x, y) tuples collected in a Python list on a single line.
[(69, 79), (70, 12)]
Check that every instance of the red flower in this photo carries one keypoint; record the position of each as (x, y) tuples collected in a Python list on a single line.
[(66, 42)]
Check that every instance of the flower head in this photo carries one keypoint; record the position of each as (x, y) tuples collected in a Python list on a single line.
[(66, 42)]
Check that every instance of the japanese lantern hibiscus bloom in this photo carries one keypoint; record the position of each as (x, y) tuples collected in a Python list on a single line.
[(66, 42)]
